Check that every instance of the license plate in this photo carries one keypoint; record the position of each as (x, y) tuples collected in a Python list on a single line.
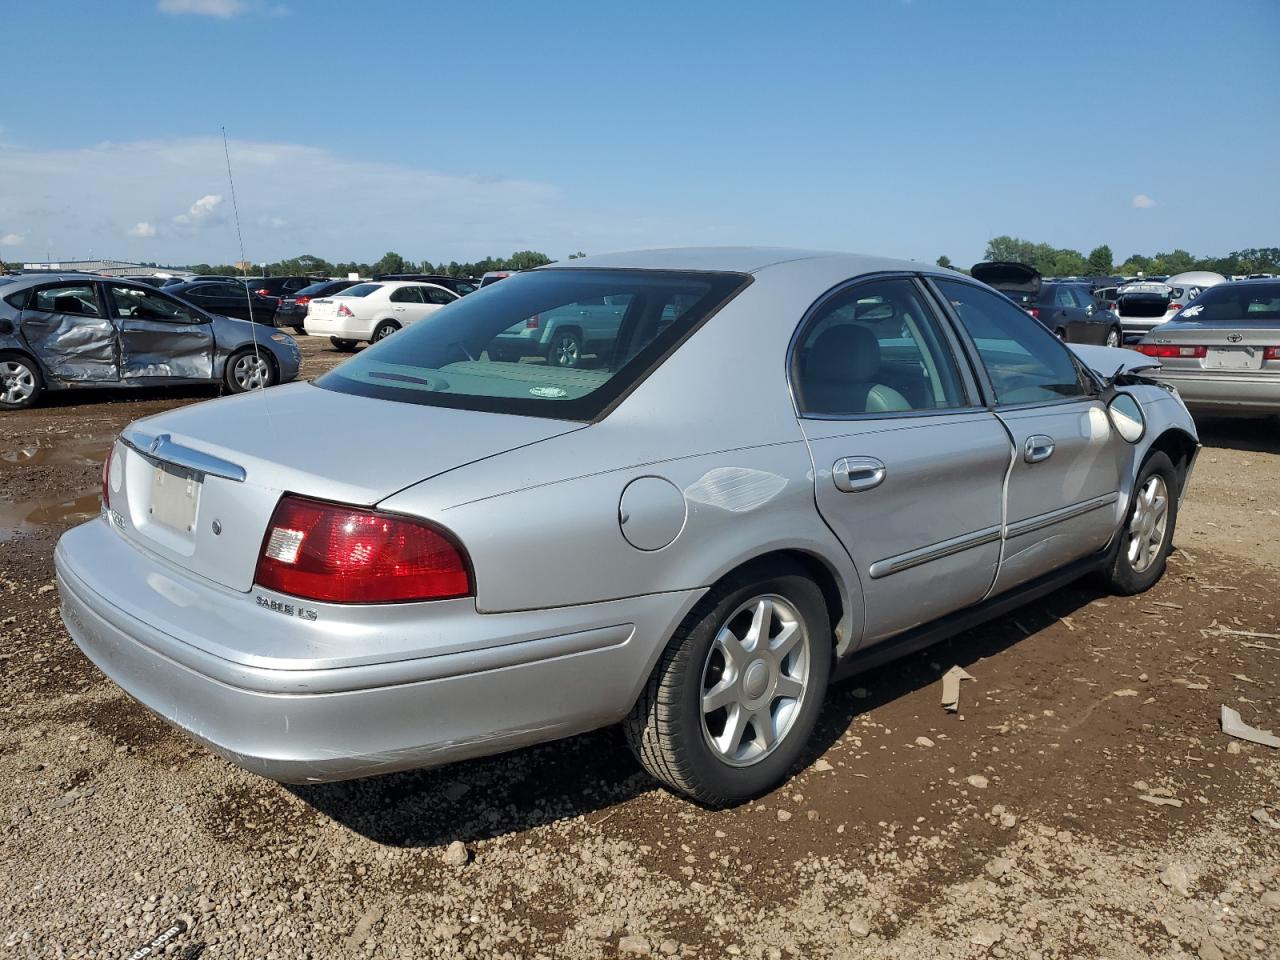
[(1233, 358), (175, 497)]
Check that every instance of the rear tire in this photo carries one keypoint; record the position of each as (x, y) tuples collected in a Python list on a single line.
[(1114, 338), (565, 349), (1138, 557), (725, 715), (383, 330), (343, 346), (1061, 334), (20, 382)]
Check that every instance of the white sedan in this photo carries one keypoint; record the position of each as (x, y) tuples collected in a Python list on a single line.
[(372, 311)]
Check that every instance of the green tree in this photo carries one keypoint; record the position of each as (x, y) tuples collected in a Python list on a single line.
[(577, 256), (391, 262), (945, 261), (525, 260), (1100, 261)]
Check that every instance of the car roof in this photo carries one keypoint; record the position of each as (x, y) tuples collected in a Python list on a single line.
[(35, 279), (743, 260)]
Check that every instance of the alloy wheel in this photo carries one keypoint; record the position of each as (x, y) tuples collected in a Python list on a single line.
[(1113, 339), (567, 352), (754, 681), (251, 372), (17, 381), (1149, 523)]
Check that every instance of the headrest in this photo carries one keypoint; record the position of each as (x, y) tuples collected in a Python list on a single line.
[(67, 304), (845, 353)]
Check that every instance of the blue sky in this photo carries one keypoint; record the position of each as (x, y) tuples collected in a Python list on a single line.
[(909, 129)]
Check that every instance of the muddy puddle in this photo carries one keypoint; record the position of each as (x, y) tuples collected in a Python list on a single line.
[(28, 517), (57, 451)]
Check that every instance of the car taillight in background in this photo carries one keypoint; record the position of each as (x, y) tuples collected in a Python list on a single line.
[(1170, 350), (344, 310), (1271, 353), (302, 301), (533, 322), (1033, 311), (264, 292), (1175, 306), (341, 554)]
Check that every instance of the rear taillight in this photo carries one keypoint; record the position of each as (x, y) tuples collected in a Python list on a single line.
[(339, 554), (532, 322), (302, 301), (1170, 350), (1175, 306), (1271, 353), (1034, 311), (344, 310), (264, 292)]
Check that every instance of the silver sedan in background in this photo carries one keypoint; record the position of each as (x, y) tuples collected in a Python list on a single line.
[(1222, 351), (782, 466)]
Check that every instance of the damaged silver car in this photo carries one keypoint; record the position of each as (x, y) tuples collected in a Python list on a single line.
[(59, 332)]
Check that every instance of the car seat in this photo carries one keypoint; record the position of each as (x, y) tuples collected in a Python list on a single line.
[(841, 374)]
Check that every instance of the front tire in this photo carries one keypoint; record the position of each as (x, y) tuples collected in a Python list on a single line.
[(20, 382), (1114, 338), (383, 330), (247, 370), (1139, 556), (733, 700), (342, 345)]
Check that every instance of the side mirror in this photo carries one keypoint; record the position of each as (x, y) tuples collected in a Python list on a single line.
[(1127, 417)]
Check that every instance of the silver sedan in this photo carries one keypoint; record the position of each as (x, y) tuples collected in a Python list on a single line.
[(783, 466), (1222, 351)]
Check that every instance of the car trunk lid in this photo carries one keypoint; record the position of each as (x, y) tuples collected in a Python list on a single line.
[(198, 485), (1242, 347), (1009, 277)]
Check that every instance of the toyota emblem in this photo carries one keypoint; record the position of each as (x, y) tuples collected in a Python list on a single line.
[(1234, 337)]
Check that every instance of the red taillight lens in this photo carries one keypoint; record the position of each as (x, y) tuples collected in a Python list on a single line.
[(339, 554), (1175, 306), (264, 292), (1271, 353), (1170, 350), (302, 301), (344, 310), (1034, 311), (532, 322)]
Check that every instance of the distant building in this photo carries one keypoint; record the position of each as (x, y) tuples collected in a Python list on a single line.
[(110, 268)]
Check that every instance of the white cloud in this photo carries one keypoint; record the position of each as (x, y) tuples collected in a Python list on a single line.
[(88, 197), (1143, 202), (11, 240), (142, 229), (222, 9), (200, 210)]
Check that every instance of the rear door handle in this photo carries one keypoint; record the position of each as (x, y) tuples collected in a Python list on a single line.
[(1038, 448), (855, 474)]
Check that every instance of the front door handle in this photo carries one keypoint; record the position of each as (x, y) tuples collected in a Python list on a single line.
[(855, 474), (1038, 448)]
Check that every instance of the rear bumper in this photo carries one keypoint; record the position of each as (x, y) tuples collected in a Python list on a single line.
[(1224, 393), (345, 328), (527, 677)]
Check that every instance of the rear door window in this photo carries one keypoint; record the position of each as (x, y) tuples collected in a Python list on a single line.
[(1025, 362), (440, 297), (875, 348), (73, 300), (406, 295), (134, 303)]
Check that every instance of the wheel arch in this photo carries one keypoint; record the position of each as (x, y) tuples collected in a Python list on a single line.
[(1179, 446)]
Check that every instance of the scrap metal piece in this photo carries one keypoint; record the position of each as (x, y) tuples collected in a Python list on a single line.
[(1233, 726), (951, 688)]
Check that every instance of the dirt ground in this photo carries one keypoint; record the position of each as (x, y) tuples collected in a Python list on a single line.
[(1083, 803)]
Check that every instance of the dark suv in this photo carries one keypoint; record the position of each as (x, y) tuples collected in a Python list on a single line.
[(459, 285), (1068, 309)]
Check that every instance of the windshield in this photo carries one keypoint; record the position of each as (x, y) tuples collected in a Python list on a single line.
[(1231, 303), (359, 290), (548, 343)]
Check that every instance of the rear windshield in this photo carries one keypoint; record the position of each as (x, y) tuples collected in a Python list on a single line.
[(1232, 303), (322, 287), (549, 343), (359, 290)]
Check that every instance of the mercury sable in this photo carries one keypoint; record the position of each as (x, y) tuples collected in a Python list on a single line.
[(785, 466)]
